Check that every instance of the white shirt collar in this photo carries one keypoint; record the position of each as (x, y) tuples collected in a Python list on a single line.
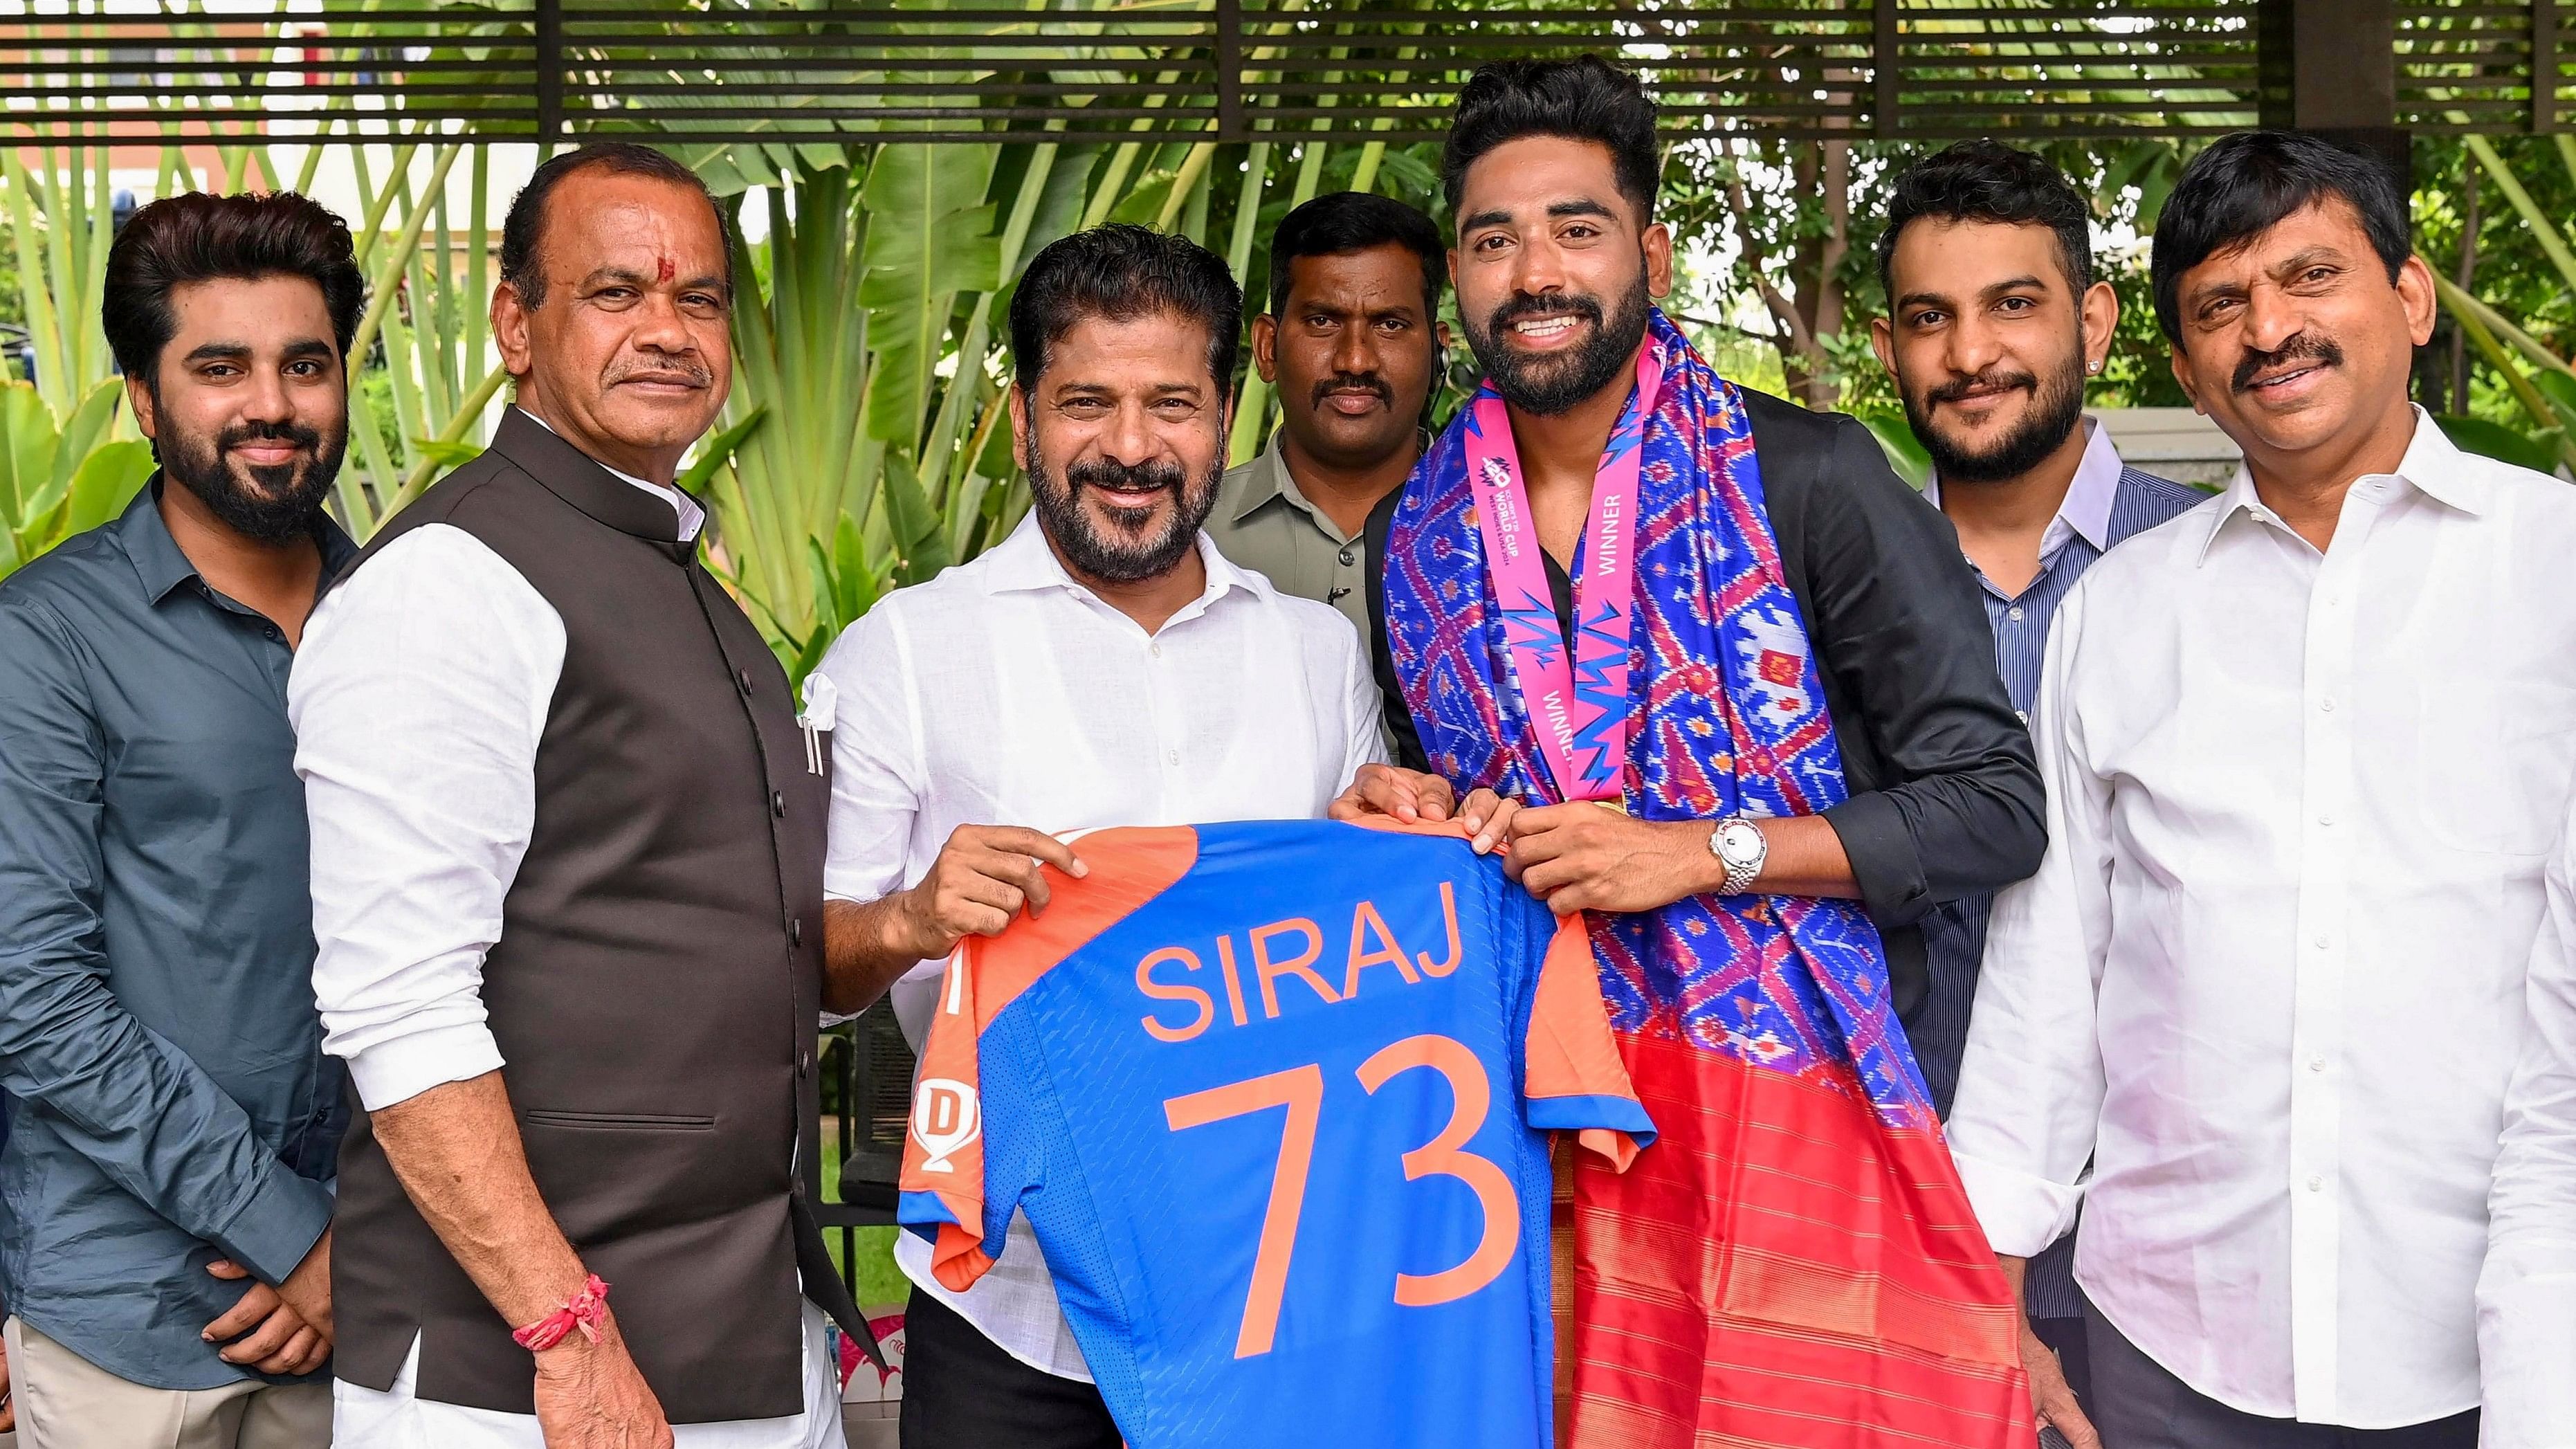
[(1024, 561), (2432, 466), (692, 517), (2086, 509)]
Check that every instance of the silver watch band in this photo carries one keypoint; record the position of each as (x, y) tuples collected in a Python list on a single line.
[(1741, 870)]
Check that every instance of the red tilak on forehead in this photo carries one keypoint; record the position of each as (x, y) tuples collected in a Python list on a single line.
[(663, 271)]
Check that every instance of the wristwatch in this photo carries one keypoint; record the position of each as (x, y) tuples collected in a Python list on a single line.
[(1738, 842)]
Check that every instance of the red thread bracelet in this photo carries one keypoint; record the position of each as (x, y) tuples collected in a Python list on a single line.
[(585, 1310)]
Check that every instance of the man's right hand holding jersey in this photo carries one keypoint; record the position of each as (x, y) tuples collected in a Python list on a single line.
[(983, 878)]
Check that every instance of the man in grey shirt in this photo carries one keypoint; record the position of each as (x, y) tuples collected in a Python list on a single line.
[(1353, 342), (166, 1189)]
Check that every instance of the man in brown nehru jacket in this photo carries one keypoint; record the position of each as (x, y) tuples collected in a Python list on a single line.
[(568, 895)]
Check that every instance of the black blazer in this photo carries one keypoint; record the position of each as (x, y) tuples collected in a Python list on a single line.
[(1945, 794)]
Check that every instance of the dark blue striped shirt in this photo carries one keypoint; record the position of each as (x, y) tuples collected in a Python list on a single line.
[(2100, 510)]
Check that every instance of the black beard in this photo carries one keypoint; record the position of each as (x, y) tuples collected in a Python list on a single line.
[(2056, 406), (1110, 560), (278, 503), (1546, 386)]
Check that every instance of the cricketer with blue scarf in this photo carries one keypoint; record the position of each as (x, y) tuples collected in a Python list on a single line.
[(1768, 660)]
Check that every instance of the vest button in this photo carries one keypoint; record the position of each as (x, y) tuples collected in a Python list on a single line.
[(795, 932), (778, 803), (804, 1061), (742, 677)]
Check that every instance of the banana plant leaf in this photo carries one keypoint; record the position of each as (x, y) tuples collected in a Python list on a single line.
[(58, 482), (1904, 451), (2536, 451), (929, 238)]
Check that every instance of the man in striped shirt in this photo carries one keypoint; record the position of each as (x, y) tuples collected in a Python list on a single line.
[(1994, 322)]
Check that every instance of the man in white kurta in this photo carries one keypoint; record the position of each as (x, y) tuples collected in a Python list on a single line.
[(2305, 749), (1103, 665)]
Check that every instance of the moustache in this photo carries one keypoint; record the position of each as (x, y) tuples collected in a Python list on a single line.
[(1544, 304), (1991, 380), (1107, 474), (694, 374), (2323, 350), (309, 439), (1368, 382)]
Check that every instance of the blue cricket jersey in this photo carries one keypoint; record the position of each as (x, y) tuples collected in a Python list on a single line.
[(1275, 1098)]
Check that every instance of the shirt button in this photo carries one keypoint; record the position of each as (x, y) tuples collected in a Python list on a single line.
[(2316, 1064), (2316, 1183), (1348, 557), (1154, 649), (804, 1061), (2326, 704), (1172, 757), (2013, 613), (272, 632), (778, 803), (2326, 819), (795, 932), (2323, 942)]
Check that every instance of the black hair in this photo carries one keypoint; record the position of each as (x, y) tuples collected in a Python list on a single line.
[(199, 238), (1123, 272), (1586, 99), (1988, 181), (2245, 184), (521, 229), (1355, 221)]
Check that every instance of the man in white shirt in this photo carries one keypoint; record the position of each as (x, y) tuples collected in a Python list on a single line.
[(2527, 1291), (2305, 751), (1104, 665)]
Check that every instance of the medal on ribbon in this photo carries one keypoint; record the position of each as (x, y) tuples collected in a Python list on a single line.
[(1577, 700)]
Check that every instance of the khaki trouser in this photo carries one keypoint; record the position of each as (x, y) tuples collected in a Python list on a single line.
[(66, 1402)]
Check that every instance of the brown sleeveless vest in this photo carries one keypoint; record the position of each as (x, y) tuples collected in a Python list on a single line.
[(655, 988)]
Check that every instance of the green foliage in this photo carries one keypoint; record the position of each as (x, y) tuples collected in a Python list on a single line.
[(13, 306), (57, 480), (1904, 451), (60, 223), (2496, 236), (2536, 451), (1805, 272), (930, 237)]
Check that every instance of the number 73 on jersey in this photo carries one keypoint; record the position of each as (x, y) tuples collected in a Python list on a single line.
[(1301, 1091)]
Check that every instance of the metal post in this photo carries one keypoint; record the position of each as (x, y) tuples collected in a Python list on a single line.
[(1883, 71), (550, 73), (2544, 66), (2330, 67), (2329, 64), (1229, 70)]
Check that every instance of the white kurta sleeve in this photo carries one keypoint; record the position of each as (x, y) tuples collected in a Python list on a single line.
[(879, 781), (2031, 1083), (878, 777), (1366, 714), (2527, 1288), (418, 698)]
